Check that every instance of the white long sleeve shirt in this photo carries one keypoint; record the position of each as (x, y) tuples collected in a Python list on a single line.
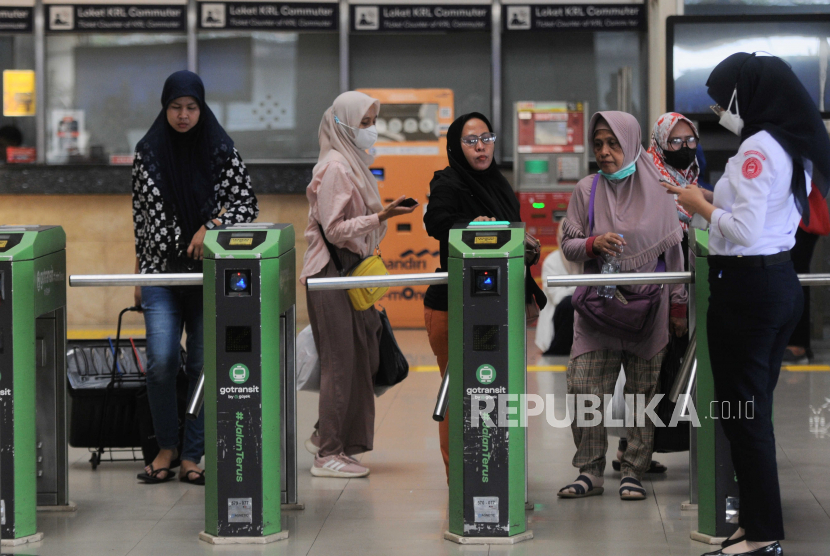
[(755, 210)]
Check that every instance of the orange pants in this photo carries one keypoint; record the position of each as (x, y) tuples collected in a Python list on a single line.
[(437, 324)]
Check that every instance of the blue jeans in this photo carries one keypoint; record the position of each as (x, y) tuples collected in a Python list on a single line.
[(167, 312)]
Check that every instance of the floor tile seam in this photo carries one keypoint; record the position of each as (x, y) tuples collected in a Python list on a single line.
[(389, 408), (660, 513), (795, 468), (325, 520), (170, 509)]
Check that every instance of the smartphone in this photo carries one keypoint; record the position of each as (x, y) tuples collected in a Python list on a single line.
[(408, 202)]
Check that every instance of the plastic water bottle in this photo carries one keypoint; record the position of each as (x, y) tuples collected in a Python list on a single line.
[(610, 265)]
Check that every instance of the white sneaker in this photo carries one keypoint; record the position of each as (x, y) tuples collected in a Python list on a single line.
[(313, 443), (340, 466)]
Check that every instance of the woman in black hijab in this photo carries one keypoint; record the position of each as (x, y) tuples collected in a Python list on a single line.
[(755, 297), (470, 189), (185, 172)]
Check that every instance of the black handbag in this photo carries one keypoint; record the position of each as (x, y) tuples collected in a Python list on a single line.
[(666, 439), (393, 365)]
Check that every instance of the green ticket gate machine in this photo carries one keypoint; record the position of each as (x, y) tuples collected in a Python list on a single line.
[(487, 338), (33, 456), (249, 324), (712, 473)]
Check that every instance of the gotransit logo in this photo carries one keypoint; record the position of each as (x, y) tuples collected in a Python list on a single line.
[(239, 373), (486, 374)]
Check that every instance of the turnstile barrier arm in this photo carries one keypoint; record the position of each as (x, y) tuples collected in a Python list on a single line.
[(443, 398), (194, 406)]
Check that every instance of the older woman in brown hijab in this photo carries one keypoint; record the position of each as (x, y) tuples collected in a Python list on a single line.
[(636, 222)]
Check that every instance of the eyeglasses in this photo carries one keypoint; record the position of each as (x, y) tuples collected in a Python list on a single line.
[(472, 140), (677, 142)]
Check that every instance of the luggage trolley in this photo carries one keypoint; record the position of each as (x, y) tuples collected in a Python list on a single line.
[(108, 409)]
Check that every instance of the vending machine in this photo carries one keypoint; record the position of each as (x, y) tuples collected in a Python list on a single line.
[(412, 145), (550, 156)]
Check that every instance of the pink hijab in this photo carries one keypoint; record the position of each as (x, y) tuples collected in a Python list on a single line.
[(349, 108), (636, 207)]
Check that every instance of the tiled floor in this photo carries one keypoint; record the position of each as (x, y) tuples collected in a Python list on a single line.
[(401, 508)]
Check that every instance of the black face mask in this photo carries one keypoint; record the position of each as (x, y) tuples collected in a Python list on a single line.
[(681, 158)]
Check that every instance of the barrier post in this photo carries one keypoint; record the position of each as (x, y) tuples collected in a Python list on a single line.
[(487, 366), (717, 487), (250, 294), (32, 342)]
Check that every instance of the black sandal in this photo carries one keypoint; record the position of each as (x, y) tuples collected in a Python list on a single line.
[(634, 487), (655, 467), (580, 490), (152, 477), (199, 480)]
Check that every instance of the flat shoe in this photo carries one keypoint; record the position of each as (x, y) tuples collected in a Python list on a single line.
[(772, 550), (198, 480), (153, 478)]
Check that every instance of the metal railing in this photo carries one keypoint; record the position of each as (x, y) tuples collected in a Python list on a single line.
[(100, 280), (353, 282)]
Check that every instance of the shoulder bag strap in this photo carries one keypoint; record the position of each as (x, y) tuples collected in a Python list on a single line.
[(332, 251), (591, 206)]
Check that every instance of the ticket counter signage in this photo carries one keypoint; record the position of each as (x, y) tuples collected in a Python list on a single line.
[(520, 15), (550, 156), (411, 147), (16, 16), (418, 18), (114, 17), (282, 16)]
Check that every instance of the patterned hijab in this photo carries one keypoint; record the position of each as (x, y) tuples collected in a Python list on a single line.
[(659, 145)]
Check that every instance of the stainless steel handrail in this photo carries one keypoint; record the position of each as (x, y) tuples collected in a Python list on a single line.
[(622, 279), (353, 282), (99, 280)]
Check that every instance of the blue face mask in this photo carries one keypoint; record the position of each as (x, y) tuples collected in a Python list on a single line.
[(623, 173)]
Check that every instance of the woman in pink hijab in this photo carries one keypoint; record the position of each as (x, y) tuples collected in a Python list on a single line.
[(635, 222), (344, 204)]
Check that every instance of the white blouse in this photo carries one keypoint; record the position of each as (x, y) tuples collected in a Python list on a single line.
[(755, 209)]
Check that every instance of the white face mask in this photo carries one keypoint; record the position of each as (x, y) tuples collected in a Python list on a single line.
[(730, 121), (364, 137)]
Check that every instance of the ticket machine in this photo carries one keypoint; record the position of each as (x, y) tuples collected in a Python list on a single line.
[(411, 147), (550, 156)]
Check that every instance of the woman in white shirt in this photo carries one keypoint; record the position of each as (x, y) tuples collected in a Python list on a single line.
[(756, 299)]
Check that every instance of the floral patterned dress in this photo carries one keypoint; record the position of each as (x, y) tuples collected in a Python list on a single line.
[(154, 218)]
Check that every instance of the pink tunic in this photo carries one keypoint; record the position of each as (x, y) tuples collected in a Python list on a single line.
[(335, 202)]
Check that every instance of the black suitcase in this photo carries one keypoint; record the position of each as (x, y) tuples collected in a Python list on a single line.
[(108, 408)]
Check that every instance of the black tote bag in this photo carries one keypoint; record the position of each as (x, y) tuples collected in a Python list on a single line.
[(393, 365)]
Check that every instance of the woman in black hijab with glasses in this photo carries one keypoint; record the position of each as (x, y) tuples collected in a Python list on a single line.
[(471, 188), (755, 296), (186, 171)]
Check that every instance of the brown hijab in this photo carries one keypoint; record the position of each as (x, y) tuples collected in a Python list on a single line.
[(636, 207)]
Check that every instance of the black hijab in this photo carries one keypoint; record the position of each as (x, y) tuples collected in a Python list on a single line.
[(489, 187), (186, 166), (771, 98)]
